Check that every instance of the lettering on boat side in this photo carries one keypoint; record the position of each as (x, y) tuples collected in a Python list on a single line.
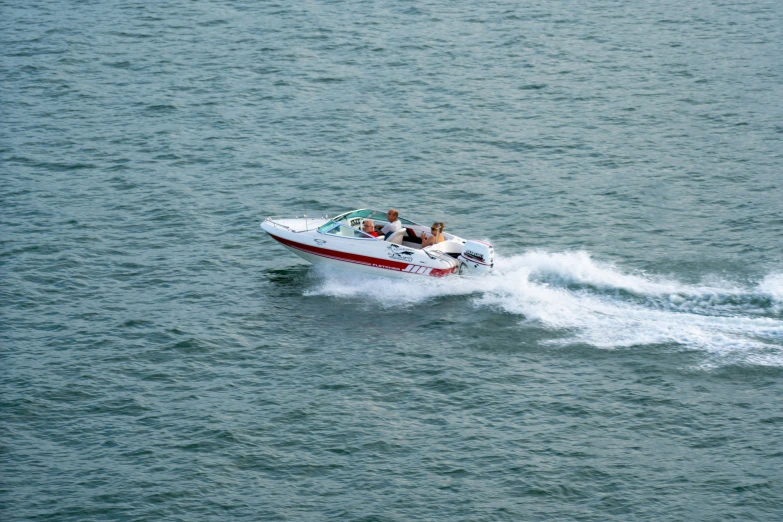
[(470, 253), (320, 241), (397, 252)]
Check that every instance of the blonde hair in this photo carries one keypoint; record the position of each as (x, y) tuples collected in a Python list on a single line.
[(438, 226)]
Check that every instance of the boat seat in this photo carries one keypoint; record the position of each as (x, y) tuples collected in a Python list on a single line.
[(396, 238)]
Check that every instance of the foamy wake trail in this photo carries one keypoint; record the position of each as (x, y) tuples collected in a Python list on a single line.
[(599, 304)]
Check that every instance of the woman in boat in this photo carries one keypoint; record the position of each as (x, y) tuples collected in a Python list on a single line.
[(436, 235)]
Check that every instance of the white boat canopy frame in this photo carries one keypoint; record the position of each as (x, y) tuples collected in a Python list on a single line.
[(347, 224), (355, 217)]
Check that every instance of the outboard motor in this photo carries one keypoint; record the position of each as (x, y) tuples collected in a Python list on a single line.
[(477, 257)]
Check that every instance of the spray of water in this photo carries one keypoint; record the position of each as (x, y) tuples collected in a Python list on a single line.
[(599, 304)]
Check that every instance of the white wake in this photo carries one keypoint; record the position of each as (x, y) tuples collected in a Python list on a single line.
[(599, 304)]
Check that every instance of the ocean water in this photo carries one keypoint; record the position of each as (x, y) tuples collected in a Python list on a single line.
[(162, 359)]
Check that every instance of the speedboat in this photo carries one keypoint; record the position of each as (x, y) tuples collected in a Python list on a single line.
[(340, 241)]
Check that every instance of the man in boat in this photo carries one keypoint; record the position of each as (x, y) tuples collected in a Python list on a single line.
[(369, 227), (394, 224)]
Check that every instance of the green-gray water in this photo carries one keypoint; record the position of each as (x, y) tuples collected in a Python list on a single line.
[(162, 359)]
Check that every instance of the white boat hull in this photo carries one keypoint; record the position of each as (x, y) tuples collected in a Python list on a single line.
[(343, 265), (368, 256)]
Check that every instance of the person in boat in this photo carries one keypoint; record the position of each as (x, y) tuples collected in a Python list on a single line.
[(394, 224), (369, 227), (436, 235)]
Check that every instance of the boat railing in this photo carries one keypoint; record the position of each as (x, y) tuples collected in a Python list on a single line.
[(274, 220), (271, 219)]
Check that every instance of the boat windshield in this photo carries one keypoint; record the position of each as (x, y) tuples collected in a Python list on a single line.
[(346, 231), (339, 229), (355, 218), (326, 226)]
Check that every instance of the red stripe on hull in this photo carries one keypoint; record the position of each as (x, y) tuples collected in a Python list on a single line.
[(475, 260), (386, 264)]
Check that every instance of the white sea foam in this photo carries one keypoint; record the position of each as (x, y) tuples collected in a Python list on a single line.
[(772, 285), (602, 305)]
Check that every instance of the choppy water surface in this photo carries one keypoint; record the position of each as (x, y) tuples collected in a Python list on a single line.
[(163, 360)]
